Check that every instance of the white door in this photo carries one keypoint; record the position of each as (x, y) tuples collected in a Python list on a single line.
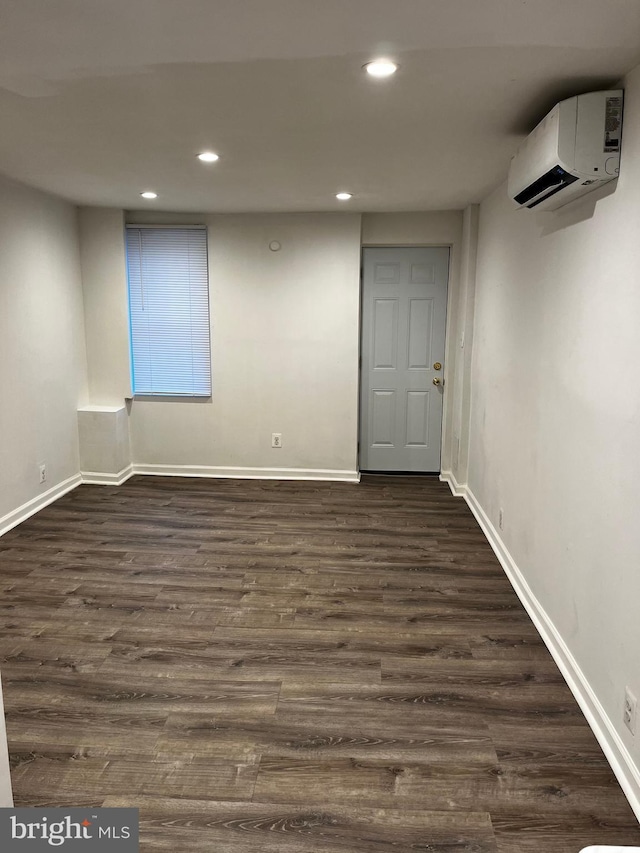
[(404, 306)]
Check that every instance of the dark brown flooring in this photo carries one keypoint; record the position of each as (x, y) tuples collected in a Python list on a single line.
[(298, 667)]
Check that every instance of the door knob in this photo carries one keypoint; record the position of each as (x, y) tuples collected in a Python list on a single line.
[(437, 380), (437, 365)]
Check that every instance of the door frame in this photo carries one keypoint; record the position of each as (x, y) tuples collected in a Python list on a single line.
[(449, 356)]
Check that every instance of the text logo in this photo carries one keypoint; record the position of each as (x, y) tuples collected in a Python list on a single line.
[(35, 830)]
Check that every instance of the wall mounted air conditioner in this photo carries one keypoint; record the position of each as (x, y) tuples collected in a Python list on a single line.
[(574, 150)]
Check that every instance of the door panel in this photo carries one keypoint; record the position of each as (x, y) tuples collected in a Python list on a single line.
[(385, 334), (417, 419), (420, 333), (383, 412), (423, 273), (404, 303), (387, 273)]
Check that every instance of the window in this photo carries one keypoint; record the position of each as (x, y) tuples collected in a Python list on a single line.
[(169, 311)]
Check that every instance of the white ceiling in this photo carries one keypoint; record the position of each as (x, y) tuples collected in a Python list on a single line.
[(101, 99)]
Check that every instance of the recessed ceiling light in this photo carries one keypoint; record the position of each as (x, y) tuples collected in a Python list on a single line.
[(149, 194), (208, 157), (381, 68), (344, 196)]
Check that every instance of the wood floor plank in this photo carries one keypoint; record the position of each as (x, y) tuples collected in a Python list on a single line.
[(37, 656), (207, 654), (114, 694), (30, 729), (523, 645), (134, 775), (434, 703), (497, 674), (170, 663), (290, 666), (552, 743), (323, 738), (538, 788), (566, 832), (323, 827), (417, 619), (381, 783), (372, 644)]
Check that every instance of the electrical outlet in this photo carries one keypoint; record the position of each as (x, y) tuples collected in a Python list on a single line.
[(501, 519), (43, 473), (630, 706), (276, 439)]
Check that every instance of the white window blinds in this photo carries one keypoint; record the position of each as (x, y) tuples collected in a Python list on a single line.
[(169, 311)]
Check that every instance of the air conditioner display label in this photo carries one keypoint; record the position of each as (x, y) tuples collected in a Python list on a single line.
[(612, 124)]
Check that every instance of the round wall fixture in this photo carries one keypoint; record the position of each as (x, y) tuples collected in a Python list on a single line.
[(275, 246)]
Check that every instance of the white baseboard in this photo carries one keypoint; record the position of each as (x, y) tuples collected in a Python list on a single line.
[(218, 472), (617, 754), (100, 479), (22, 513), (457, 489)]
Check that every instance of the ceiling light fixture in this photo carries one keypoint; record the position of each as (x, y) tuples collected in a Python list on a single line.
[(381, 68), (344, 196), (208, 157), (149, 194)]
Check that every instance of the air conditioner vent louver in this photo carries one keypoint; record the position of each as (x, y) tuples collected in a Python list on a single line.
[(551, 182)]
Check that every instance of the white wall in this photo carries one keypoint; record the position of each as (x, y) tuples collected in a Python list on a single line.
[(285, 332), (285, 351), (42, 350), (104, 285), (428, 228), (462, 343), (555, 421)]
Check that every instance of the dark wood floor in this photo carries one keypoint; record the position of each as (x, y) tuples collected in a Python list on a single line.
[(298, 667)]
